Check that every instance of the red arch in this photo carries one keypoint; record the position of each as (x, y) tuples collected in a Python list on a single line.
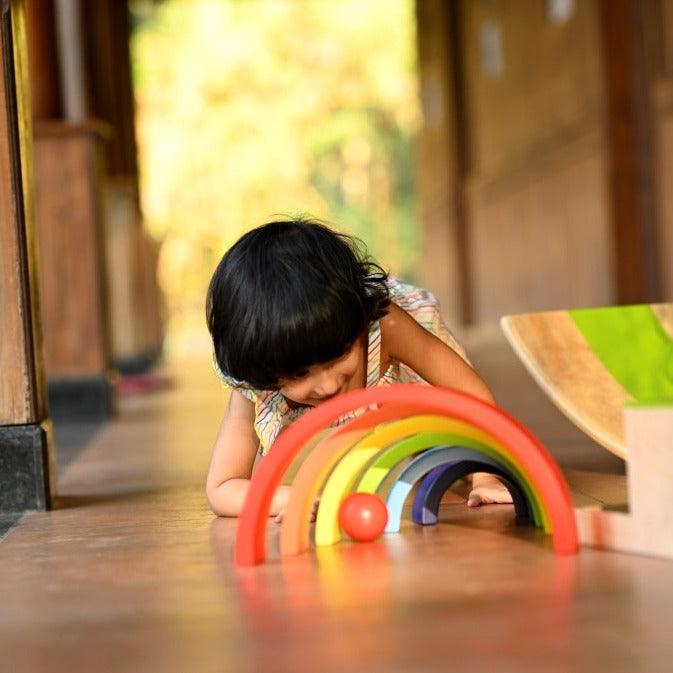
[(543, 470)]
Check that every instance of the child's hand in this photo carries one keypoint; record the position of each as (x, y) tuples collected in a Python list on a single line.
[(314, 512), (487, 489)]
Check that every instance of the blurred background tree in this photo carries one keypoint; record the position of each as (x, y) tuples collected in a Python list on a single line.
[(248, 109)]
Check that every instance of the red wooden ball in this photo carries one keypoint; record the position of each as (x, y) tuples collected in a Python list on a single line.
[(363, 516)]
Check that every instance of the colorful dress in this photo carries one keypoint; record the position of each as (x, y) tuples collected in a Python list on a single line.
[(272, 411)]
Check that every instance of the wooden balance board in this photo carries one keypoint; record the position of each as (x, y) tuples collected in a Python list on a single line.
[(594, 362)]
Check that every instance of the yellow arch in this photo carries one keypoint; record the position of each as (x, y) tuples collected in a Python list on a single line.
[(344, 474)]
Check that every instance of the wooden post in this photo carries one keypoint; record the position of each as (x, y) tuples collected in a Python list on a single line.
[(70, 179), (107, 62), (136, 321), (27, 477), (69, 34), (43, 62), (443, 158), (629, 133)]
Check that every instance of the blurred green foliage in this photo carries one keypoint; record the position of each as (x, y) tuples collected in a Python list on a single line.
[(248, 109)]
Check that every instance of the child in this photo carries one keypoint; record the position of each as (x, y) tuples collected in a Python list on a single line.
[(298, 314)]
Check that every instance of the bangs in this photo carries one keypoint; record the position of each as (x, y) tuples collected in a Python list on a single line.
[(279, 304)]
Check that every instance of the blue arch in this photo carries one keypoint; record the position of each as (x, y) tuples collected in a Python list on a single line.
[(420, 466)]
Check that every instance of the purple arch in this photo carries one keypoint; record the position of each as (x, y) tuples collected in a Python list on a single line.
[(440, 479)]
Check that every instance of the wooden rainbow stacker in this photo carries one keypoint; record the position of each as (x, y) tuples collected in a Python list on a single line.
[(437, 434)]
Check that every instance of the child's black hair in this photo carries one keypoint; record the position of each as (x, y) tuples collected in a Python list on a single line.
[(288, 295)]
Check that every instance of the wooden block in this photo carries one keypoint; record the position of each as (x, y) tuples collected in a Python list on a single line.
[(647, 527)]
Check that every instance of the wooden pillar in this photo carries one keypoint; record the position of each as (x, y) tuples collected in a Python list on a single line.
[(106, 34), (45, 91), (442, 162), (69, 34), (70, 179), (136, 321), (26, 455), (630, 140), (69, 159)]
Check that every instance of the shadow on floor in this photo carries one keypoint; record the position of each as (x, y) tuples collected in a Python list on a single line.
[(71, 439)]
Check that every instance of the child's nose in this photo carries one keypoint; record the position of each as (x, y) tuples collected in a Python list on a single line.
[(329, 384)]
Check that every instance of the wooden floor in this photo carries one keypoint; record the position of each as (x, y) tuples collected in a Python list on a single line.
[(132, 572)]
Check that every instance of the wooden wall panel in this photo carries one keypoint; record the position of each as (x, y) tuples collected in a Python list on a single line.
[(537, 201), (549, 89), (72, 279), (543, 241)]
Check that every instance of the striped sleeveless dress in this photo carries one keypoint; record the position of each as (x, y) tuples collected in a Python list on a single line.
[(273, 413)]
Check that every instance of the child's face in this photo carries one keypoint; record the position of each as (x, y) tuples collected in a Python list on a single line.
[(325, 380)]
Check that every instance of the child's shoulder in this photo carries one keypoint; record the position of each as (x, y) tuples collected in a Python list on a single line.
[(241, 387), (410, 297)]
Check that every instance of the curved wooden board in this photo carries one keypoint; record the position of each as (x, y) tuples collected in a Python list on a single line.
[(591, 362), (557, 356)]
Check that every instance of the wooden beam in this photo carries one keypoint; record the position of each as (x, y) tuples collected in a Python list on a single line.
[(630, 155)]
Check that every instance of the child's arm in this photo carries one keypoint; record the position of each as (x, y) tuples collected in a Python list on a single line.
[(405, 340), (233, 459)]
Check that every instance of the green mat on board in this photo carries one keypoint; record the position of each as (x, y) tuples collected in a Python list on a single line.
[(633, 347)]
